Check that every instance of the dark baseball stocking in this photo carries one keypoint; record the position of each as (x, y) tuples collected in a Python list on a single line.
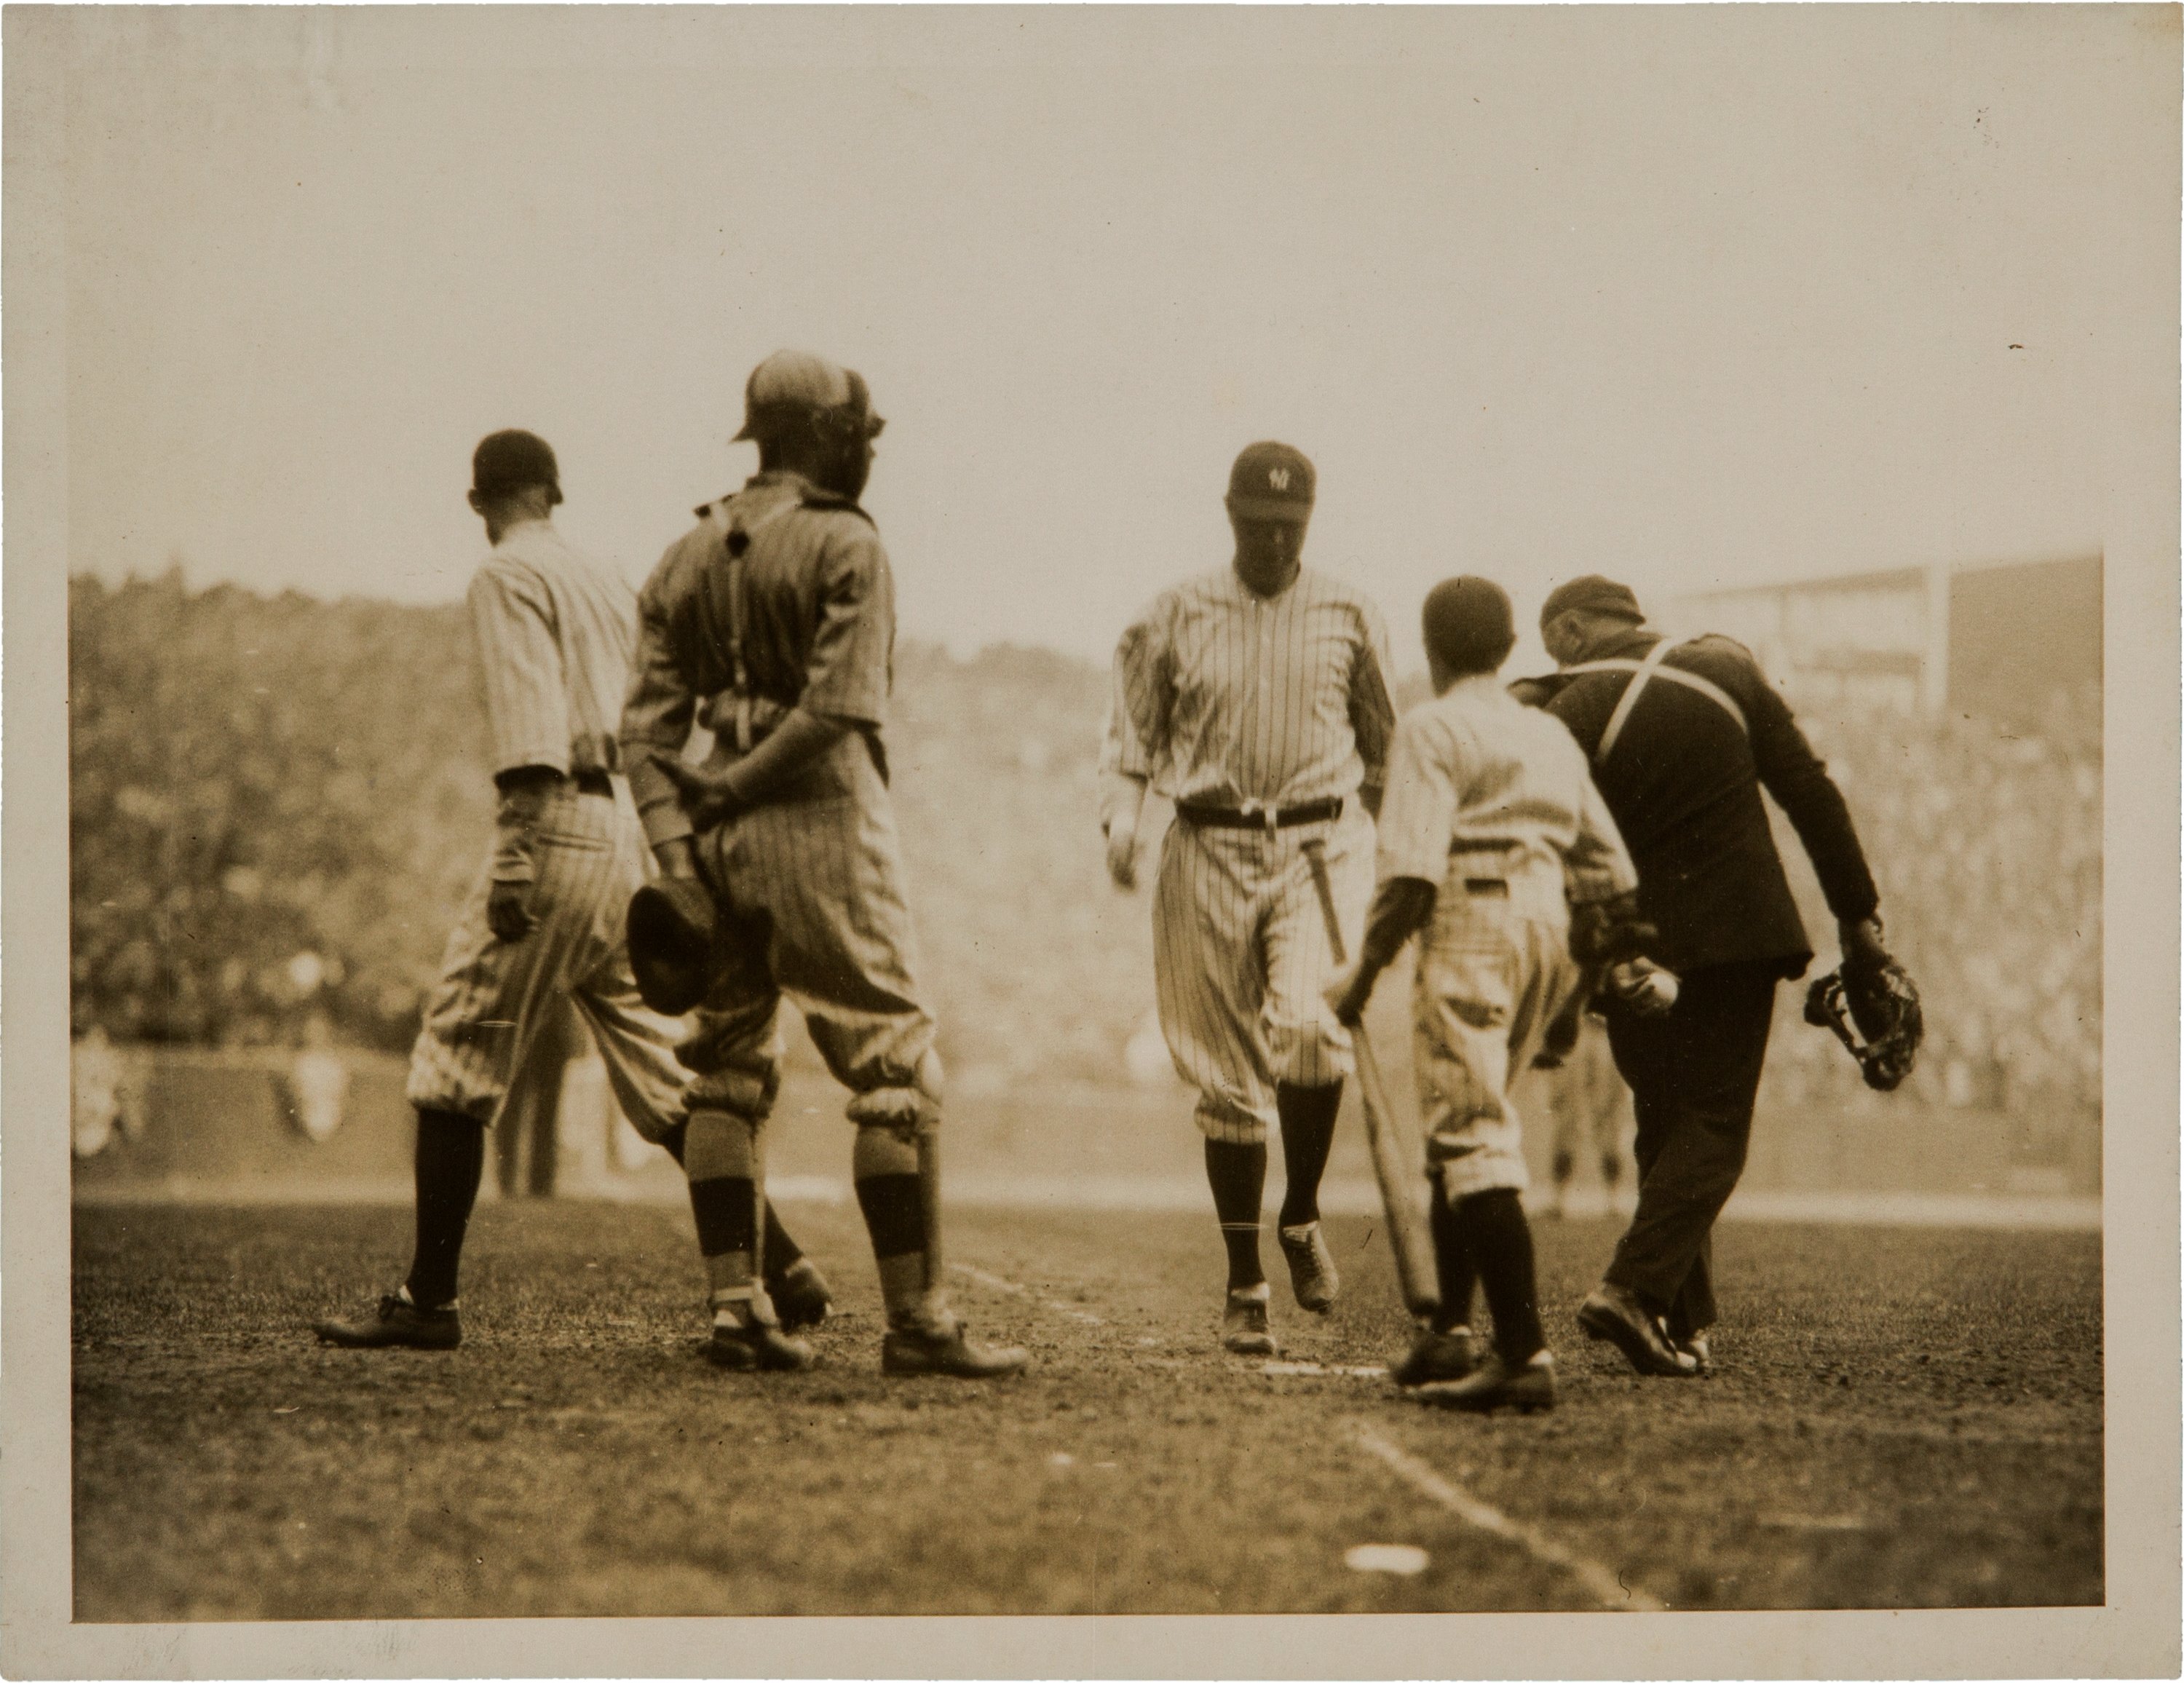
[(1452, 1266), (1308, 1117), (449, 1163), (1500, 1245), (1238, 1176)]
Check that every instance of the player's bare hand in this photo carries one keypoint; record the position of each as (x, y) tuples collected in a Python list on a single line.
[(508, 911), (708, 797), (1123, 854)]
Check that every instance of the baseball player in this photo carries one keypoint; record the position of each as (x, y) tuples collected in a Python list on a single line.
[(543, 924), (772, 622), (1683, 738), (1494, 844), (1259, 697)]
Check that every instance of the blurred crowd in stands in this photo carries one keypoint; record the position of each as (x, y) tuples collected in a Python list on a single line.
[(1987, 843), (276, 805)]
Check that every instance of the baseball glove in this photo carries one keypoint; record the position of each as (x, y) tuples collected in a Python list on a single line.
[(670, 943), (1609, 931), (1881, 1001)]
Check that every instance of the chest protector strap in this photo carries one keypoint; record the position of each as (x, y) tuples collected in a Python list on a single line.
[(1642, 673)]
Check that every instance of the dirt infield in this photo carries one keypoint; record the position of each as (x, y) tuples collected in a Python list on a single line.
[(1905, 1418)]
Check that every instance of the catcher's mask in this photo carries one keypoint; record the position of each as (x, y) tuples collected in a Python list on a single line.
[(670, 943), (1883, 1003)]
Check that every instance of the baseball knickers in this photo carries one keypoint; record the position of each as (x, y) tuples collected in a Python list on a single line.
[(1493, 970), (1240, 957), (811, 906), (590, 857)]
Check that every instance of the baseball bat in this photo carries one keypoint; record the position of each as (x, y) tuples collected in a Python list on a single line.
[(1391, 1163)]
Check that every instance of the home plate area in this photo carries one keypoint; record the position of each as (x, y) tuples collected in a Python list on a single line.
[(1902, 1417)]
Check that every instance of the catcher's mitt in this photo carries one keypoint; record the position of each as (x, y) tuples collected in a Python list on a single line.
[(670, 943), (1882, 1002)]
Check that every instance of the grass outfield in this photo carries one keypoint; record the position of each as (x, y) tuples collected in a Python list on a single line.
[(1905, 1418)]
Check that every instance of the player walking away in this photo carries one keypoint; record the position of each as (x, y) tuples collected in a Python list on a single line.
[(1682, 738), (1496, 845), (544, 922), (773, 624), (1259, 697)]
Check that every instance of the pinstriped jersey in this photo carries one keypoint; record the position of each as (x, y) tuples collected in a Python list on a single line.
[(785, 580), (1223, 695), (1475, 770), (553, 629)]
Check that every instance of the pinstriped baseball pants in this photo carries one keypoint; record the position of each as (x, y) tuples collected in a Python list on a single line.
[(485, 1010), (811, 906), (1494, 968), (1241, 956)]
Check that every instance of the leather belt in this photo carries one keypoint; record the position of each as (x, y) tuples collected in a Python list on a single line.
[(595, 783), (1254, 816)]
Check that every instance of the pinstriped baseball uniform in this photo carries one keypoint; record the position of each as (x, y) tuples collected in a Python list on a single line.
[(808, 883), (553, 629), (1226, 699), (1493, 803)]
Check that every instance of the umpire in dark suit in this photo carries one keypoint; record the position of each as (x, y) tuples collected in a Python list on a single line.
[(1683, 738)]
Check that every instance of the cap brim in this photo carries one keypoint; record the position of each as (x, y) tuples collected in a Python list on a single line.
[(1270, 508)]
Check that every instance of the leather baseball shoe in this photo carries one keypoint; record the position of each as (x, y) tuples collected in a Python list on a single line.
[(1244, 1329), (398, 1324), (913, 1347), (1530, 1389), (1437, 1356), (800, 1295), (757, 1348), (1311, 1266), (1615, 1314)]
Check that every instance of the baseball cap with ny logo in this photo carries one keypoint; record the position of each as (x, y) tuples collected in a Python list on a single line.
[(1271, 481)]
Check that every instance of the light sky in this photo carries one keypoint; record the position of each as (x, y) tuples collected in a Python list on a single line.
[(1695, 297)]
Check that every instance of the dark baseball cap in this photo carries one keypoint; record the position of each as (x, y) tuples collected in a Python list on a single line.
[(1271, 481), (1594, 595), (798, 383), (1468, 623), (510, 461)]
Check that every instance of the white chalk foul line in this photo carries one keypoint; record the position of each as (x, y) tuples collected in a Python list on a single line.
[(995, 1282), (1603, 1585), (1319, 1370)]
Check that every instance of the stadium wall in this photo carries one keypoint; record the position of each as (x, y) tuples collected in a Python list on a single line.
[(187, 1122)]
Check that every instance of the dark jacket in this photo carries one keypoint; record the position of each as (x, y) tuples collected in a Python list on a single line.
[(1684, 782)]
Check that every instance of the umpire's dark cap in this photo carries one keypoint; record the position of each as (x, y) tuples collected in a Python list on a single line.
[(511, 461), (1468, 624), (1272, 481), (1594, 595), (790, 385)]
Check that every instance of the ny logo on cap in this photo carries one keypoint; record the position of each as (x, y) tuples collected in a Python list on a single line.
[(1278, 478)]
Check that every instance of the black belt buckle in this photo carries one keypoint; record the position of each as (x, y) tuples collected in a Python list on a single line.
[(1255, 813), (595, 783), (1486, 885)]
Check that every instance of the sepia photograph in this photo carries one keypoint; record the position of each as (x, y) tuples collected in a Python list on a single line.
[(893, 814)]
